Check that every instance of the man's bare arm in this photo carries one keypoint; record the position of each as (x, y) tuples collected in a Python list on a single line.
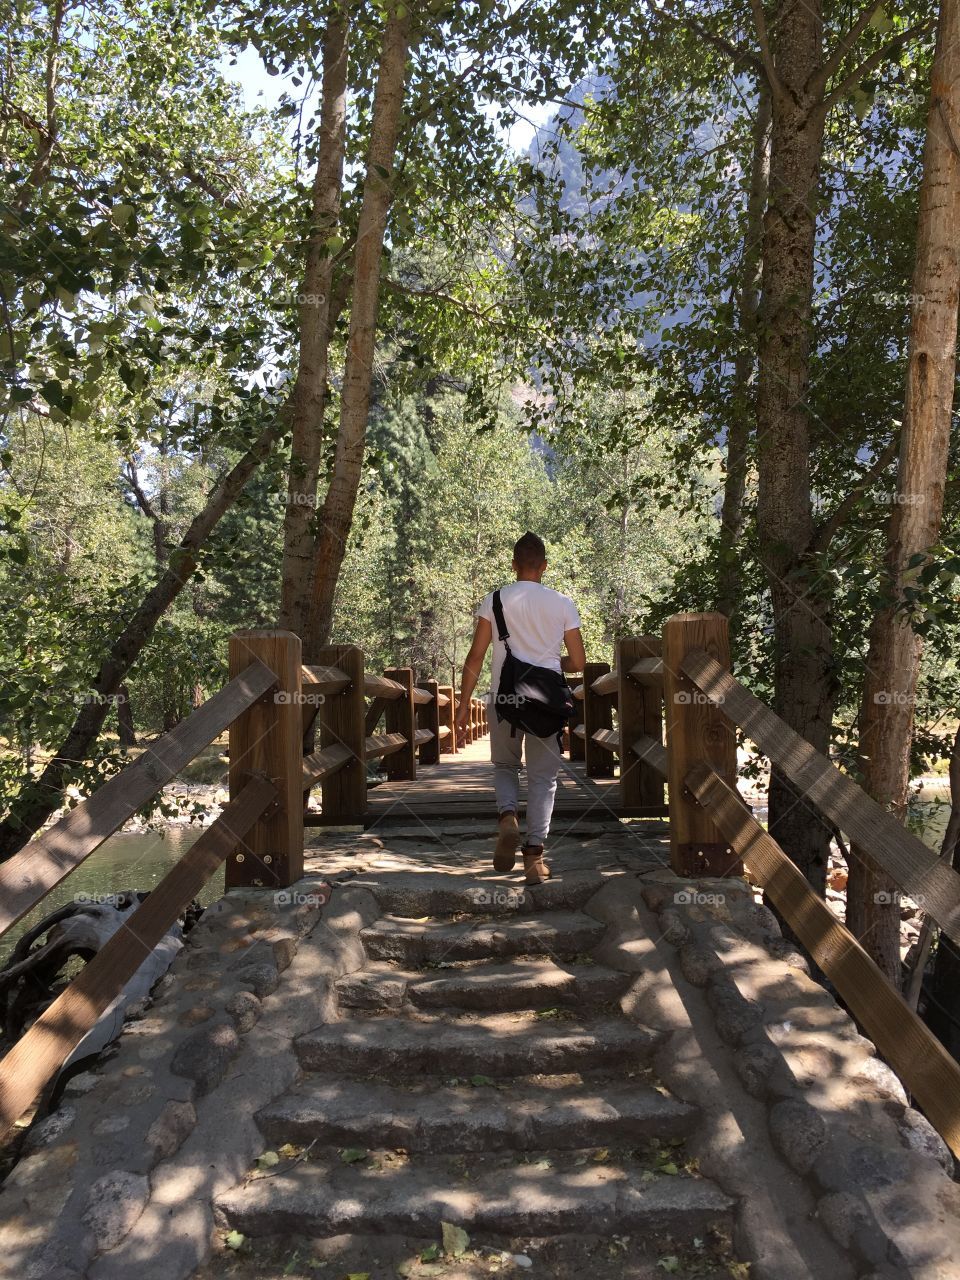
[(472, 666), (576, 656)]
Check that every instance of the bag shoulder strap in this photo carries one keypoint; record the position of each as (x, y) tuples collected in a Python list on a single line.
[(502, 631)]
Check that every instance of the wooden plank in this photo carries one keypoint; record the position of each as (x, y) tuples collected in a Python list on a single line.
[(384, 744), (597, 714), (382, 687), (422, 736), (376, 709), (320, 679), (421, 696), (639, 712), (428, 717), (697, 732), (443, 731), (42, 1050), (651, 751), (647, 670), (401, 717), (915, 867), (325, 763), (578, 692), (27, 877), (606, 684), (927, 1070), (609, 739), (580, 731), (344, 793), (443, 700)]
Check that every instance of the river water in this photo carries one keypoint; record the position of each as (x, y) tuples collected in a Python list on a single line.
[(128, 860)]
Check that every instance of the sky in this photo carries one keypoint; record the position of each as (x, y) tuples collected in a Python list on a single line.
[(263, 90)]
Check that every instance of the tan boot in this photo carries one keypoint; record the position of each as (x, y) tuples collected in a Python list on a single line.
[(533, 864), (508, 841)]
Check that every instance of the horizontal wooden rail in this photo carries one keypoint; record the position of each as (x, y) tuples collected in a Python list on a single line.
[(49, 858), (39, 1053), (442, 700), (443, 731), (914, 867), (652, 752), (609, 739), (580, 730), (422, 735), (577, 692), (606, 684), (647, 671), (382, 687), (326, 680), (384, 744), (325, 763), (919, 1059), (421, 697)]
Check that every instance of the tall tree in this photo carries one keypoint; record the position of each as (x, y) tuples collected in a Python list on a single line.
[(338, 504), (318, 314), (893, 656)]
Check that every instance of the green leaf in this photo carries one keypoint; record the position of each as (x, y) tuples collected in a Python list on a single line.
[(234, 1240), (479, 1081), (455, 1239), (669, 1263), (352, 1155), (431, 1253), (268, 1160)]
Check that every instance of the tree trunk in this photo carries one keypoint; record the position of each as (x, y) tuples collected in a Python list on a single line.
[(803, 672), (317, 321), (125, 726), (337, 514), (42, 796), (743, 408), (893, 659)]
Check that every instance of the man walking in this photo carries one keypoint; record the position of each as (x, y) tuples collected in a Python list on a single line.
[(540, 623)]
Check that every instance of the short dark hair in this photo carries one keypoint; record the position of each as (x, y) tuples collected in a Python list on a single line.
[(529, 551)]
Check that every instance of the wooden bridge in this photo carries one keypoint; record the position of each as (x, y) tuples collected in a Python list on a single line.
[(664, 714)]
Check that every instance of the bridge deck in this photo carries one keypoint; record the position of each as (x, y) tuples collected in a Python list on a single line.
[(462, 786)]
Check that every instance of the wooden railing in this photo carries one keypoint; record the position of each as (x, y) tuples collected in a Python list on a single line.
[(713, 831), (267, 707)]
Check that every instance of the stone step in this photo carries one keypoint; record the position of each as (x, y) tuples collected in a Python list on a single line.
[(559, 933), (497, 1046), (328, 1197), (456, 892), (520, 984), (433, 1118)]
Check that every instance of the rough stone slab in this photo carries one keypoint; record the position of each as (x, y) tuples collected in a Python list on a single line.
[(321, 1198), (554, 933), (435, 1118), (485, 892), (520, 985), (494, 1046)]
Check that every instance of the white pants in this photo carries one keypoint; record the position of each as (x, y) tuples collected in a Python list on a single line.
[(543, 759)]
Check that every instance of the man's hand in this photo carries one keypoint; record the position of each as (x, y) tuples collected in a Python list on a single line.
[(462, 721)]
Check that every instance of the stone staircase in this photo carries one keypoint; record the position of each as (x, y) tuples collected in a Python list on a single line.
[(484, 1075)]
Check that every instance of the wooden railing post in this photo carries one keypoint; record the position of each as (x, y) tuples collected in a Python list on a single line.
[(343, 796), (428, 717), (698, 733), (448, 715), (597, 714), (401, 717), (639, 713), (267, 740), (577, 747)]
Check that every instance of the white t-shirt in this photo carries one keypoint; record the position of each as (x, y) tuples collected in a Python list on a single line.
[(536, 619)]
